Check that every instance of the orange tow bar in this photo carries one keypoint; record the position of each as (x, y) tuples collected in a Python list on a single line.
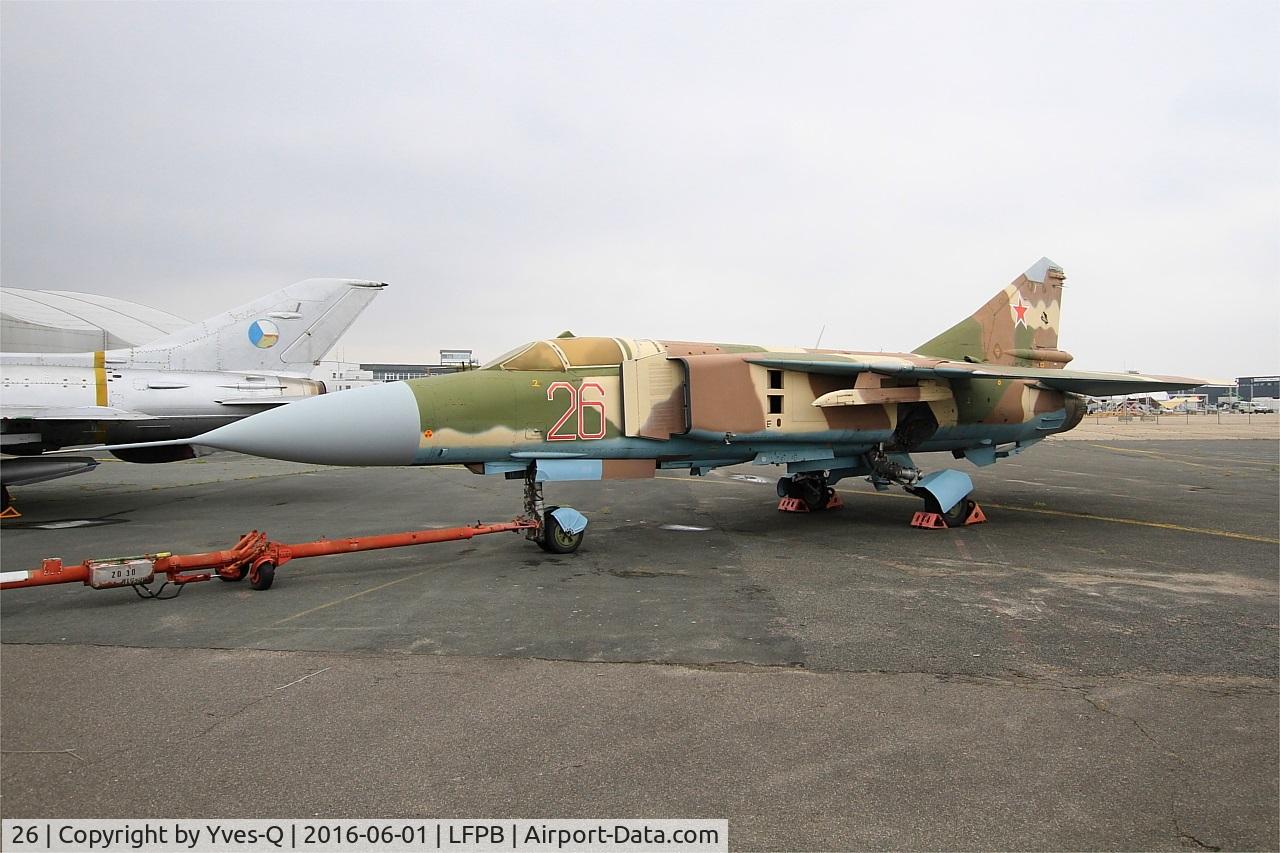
[(254, 555)]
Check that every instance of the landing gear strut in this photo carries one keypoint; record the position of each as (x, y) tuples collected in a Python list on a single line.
[(886, 470)]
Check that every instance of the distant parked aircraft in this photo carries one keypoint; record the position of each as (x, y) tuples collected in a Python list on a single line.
[(205, 376)]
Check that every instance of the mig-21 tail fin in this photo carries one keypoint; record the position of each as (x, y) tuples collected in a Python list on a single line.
[(1018, 327), (290, 329)]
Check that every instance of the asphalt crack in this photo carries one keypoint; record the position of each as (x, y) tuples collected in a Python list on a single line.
[(1255, 686), (1184, 837), (1101, 707)]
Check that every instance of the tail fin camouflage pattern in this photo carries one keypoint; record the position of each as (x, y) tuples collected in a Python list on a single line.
[(1018, 327)]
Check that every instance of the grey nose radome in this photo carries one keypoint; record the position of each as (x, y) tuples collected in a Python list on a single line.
[(377, 425)]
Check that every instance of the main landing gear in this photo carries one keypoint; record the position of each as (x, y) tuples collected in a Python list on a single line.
[(807, 493), (560, 529), (945, 493)]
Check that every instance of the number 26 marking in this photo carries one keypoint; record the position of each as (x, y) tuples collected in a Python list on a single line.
[(577, 406)]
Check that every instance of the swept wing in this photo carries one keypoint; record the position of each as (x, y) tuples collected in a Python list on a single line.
[(1093, 383)]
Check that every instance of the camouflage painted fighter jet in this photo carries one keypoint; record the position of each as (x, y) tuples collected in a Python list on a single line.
[(593, 408)]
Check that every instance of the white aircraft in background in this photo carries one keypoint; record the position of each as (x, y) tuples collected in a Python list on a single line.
[(207, 375)]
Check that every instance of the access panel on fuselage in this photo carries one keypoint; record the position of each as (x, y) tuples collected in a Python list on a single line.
[(654, 397), (724, 394)]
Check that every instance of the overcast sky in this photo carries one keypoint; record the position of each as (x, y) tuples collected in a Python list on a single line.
[(713, 171)]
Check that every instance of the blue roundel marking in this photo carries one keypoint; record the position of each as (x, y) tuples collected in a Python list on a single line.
[(263, 334)]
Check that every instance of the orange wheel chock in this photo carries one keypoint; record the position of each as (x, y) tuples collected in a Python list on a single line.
[(792, 505), (928, 521), (10, 512), (934, 521)]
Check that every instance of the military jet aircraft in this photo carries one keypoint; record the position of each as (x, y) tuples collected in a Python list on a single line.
[(591, 408), (211, 373)]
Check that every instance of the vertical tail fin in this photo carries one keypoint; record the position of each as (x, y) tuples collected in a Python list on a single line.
[(289, 329), (1016, 327)]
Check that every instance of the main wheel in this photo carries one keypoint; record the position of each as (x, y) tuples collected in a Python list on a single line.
[(812, 491), (957, 514), (555, 539), (266, 575)]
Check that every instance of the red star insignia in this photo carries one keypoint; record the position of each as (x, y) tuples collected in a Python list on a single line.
[(1021, 311)]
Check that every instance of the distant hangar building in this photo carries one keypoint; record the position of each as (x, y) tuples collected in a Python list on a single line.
[(451, 361), (1255, 387), (66, 321), (1246, 388)]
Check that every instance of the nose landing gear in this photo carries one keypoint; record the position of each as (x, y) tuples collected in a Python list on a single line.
[(560, 529)]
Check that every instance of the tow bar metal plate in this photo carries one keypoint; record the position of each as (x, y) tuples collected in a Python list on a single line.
[(111, 573)]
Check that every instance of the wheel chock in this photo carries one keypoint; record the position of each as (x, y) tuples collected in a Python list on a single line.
[(935, 521), (10, 512), (798, 504)]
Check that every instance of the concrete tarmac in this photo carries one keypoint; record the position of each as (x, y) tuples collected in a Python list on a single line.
[(1095, 668)]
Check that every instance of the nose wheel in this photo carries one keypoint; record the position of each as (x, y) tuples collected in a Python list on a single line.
[(555, 539)]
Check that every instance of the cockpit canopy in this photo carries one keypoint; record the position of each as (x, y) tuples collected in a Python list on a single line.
[(560, 354)]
